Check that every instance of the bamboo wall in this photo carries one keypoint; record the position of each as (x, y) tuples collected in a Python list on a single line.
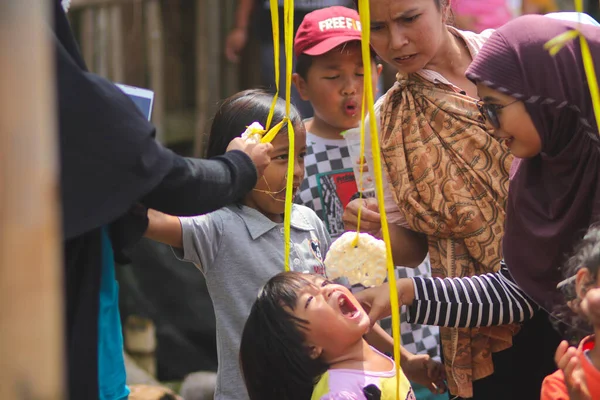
[(173, 47)]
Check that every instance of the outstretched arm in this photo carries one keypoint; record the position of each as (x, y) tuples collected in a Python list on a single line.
[(482, 300), (164, 228)]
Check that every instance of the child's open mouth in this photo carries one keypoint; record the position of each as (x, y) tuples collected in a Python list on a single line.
[(347, 307), (351, 108)]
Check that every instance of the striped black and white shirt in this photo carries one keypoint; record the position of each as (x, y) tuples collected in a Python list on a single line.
[(482, 300)]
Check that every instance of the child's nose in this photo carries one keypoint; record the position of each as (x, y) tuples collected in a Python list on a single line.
[(351, 86), (299, 169)]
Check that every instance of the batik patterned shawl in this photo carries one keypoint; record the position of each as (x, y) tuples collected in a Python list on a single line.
[(450, 179)]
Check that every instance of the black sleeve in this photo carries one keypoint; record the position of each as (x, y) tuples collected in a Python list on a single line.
[(195, 186), (482, 300)]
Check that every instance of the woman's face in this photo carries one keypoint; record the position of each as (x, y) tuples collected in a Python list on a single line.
[(407, 34), (511, 122)]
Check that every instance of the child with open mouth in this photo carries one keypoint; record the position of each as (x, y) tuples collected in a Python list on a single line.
[(304, 339)]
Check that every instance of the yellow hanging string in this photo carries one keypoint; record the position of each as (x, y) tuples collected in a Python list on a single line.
[(270, 133), (361, 164), (288, 12), (556, 44), (275, 25), (368, 92)]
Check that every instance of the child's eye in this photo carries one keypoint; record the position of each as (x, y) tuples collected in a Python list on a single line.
[(360, 74), (325, 283), (331, 77), (411, 19), (281, 157), (302, 155), (308, 301), (375, 28)]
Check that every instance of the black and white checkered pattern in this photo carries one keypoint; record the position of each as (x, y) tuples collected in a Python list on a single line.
[(418, 339), (322, 156)]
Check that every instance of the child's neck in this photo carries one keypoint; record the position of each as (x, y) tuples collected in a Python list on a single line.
[(360, 356), (322, 129)]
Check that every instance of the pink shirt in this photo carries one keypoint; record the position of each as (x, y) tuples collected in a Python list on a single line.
[(489, 14)]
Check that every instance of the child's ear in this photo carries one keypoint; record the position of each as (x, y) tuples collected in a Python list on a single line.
[(379, 68), (315, 352), (582, 280), (301, 86)]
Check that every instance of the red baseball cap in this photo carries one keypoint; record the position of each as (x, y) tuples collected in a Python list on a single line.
[(324, 29)]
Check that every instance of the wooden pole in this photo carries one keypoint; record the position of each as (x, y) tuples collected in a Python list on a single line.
[(231, 73), (116, 44), (102, 41), (155, 49), (208, 67), (31, 321)]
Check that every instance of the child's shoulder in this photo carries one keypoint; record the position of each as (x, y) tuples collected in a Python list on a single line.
[(305, 215)]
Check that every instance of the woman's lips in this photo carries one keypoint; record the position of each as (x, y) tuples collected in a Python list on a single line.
[(405, 59)]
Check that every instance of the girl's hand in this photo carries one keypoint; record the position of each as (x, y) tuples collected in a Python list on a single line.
[(422, 369), (567, 359), (370, 218)]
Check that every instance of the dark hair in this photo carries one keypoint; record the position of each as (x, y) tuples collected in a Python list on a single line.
[(304, 62), (586, 255), (276, 363), (241, 110)]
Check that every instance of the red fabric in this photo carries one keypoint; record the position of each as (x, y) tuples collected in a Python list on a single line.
[(324, 29)]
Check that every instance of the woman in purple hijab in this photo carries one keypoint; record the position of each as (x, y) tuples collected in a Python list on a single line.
[(540, 105)]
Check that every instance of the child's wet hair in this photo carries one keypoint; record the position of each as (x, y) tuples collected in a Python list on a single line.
[(586, 255), (241, 110), (275, 360)]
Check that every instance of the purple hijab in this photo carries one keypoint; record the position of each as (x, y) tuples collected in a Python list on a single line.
[(555, 196)]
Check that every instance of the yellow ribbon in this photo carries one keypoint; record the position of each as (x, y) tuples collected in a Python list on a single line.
[(288, 21), (556, 44), (365, 20)]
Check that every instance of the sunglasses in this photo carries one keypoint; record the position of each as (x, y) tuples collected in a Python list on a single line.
[(490, 111)]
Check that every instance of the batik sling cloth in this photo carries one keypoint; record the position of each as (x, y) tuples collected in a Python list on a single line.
[(449, 177)]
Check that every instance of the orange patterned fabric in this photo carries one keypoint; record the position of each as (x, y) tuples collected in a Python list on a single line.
[(449, 177)]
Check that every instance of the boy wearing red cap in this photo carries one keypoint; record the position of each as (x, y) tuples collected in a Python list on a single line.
[(329, 74)]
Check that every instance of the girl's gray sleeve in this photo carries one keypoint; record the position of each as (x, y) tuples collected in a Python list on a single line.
[(482, 300), (201, 239)]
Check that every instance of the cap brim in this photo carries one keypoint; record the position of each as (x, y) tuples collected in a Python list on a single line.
[(330, 44)]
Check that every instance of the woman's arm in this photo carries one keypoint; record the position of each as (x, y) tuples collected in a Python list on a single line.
[(482, 300), (194, 186)]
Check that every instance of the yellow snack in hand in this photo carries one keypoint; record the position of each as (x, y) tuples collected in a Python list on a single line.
[(253, 133), (363, 264)]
